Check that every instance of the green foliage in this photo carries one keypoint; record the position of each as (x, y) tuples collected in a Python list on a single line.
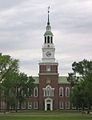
[(81, 93), (13, 84)]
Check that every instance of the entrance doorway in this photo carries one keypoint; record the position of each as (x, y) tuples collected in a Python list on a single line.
[(48, 104)]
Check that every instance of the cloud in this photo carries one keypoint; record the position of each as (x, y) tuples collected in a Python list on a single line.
[(22, 25)]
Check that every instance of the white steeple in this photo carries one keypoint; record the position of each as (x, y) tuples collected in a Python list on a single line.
[(48, 49)]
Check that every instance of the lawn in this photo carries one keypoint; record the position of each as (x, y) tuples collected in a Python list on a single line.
[(45, 116)]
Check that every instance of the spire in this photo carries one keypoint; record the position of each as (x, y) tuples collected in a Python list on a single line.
[(48, 23), (48, 27)]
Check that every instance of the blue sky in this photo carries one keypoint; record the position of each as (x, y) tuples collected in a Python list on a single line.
[(22, 26)]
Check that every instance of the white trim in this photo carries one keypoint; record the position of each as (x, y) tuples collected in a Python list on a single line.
[(67, 105), (50, 102), (36, 105), (67, 91), (48, 63), (61, 105), (48, 91), (29, 105), (61, 91), (36, 92), (48, 74)]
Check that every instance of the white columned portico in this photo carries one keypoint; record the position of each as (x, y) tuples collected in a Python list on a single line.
[(48, 104)]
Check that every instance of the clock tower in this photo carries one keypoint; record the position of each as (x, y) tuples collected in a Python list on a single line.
[(48, 73), (48, 49)]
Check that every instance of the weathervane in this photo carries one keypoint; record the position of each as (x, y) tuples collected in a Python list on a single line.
[(48, 9), (48, 15)]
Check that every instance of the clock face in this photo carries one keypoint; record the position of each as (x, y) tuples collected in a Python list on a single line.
[(48, 54)]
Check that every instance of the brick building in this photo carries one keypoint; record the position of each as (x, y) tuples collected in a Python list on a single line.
[(51, 91)]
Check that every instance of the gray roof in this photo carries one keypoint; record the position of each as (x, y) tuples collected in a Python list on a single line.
[(48, 33), (61, 80)]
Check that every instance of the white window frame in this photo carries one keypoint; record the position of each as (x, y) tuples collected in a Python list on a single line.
[(35, 90), (24, 105), (29, 105), (61, 105), (48, 91), (61, 90), (67, 105), (67, 91), (36, 105), (48, 68)]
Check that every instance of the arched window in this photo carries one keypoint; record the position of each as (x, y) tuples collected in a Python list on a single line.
[(48, 39), (35, 91), (67, 91), (48, 91), (51, 39), (45, 39), (61, 105), (61, 92), (67, 105)]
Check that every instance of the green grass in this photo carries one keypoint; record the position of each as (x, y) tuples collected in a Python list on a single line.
[(60, 115), (44, 118)]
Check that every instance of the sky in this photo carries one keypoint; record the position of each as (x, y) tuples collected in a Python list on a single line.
[(23, 24)]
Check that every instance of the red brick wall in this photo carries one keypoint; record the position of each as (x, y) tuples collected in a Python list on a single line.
[(53, 83)]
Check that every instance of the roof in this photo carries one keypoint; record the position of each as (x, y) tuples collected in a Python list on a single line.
[(36, 78), (48, 33), (61, 80)]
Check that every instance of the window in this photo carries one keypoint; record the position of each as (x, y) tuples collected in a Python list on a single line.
[(51, 39), (48, 68), (67, 105), (24, 105), (48, 91), (36, 105), (35, 91), (48, 81), (61, 105), (67, 92), (45, 39), (61, 92), (30, 92), (29, 105), (48, 39)]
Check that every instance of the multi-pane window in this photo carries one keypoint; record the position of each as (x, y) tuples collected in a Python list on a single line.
[(61, 105), (24, 105), (67, 91), (61, 92), (36, 91), (29, 105), (48, 91), (48, 68), (67, 105), (36, 105)]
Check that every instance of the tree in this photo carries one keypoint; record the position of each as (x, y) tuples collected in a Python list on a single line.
[(73, 80), (14, 85), (81, 93), (24, 88), (8, 66)]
